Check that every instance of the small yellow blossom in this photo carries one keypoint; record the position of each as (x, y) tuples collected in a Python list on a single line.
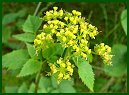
[(64, 38), (64, 70), (61, 12), (66, 18), (55, 8), (104, 51), (58, 34), (60, 76), (66, 76)]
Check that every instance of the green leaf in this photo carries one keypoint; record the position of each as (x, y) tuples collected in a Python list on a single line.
[(90, 58), (119, 61), (12, 17), (124, 20), (66, 87), (11, 89), (22, 13), (15, 59), (32, 66), (54, 80), (32, 88), (85, 72), (55, 91), (14, 45), (99, 83), (6, 32), (9, 18), (31, 50), (23, 88), (32, 24), (52, 52), (26, 37), (44, 82), (42, 90)]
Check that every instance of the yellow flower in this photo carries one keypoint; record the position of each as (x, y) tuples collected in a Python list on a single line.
[(37, 41), (55, 13), (75, 46), (62, 31), (51, 25), (66, 76), (78, 13), (82, 41), (83, 55), (59, 61), (74, 11), (64, 38), (54, 71), (63, 65), (61, 12), (49, 22), (67, 33), (77, 49), (71, 19), (48, 36), (91, 26), (66, 18), (104, 52), (48, 13), (53, 31), (73, 36), (55, 26), (70, 69), (58, 34), (55, 8), (62, 24), (86, 48), (45, 26), (55, 22), (39, 36), (89, 51), (60, 76), (68, 63), (81, 45), (70, 42)]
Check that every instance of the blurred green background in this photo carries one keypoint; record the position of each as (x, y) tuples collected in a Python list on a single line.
[(111, 20)]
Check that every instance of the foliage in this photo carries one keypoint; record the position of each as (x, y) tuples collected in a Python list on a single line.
[(124, 20), (85, 72), (59, 50), (119, 61)]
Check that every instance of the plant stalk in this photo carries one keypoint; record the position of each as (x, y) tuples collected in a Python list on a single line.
[(37, 8), (38, 78)]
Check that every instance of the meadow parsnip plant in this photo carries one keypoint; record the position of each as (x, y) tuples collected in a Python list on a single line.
[(61, 40)]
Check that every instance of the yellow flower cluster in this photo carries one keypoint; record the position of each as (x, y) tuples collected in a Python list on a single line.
[(104, 51), (42, 41), (63, 68), (70, 30)]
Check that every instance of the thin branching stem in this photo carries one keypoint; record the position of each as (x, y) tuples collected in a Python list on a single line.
[(37, 8), (38, 77)]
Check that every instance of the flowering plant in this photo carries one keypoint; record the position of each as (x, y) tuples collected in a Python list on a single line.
[(72, 33), (62, 43)]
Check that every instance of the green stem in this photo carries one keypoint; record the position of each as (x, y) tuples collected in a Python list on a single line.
[(45, 8), (98, 68), (37, 8), (89, 16), (111, 31), (67, 53), (38, 77)]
